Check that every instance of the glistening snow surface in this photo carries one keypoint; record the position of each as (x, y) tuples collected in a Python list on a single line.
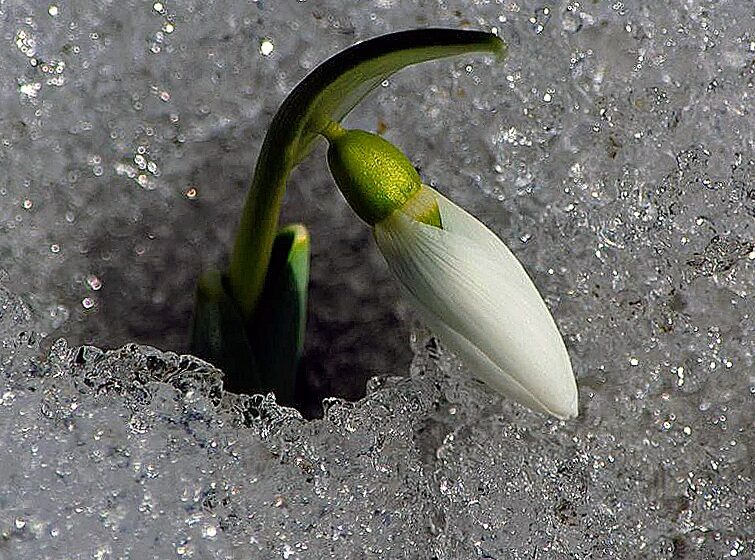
[(612, 151)]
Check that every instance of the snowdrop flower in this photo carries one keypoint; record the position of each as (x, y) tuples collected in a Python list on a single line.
[(467, 286)]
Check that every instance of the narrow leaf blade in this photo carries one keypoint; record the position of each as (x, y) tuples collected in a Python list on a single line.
[(219, 335), (277, 334)]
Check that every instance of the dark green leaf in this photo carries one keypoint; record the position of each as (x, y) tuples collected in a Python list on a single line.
[(277, 333), (218, 335), (262, 356)]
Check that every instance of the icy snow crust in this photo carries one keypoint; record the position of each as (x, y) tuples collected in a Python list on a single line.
[(612, 151)]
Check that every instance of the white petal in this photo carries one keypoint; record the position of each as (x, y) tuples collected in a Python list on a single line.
[(458, 221), (476, 296)]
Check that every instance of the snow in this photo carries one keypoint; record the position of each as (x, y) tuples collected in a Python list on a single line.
[(612, 151)]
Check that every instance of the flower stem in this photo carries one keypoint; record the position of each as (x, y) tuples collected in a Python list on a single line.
[(322, 99), (333, 131), (257, 230)]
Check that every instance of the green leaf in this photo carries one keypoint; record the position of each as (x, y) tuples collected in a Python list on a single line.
[(262, 356), (277, 333), (219, 335), (327, 94)]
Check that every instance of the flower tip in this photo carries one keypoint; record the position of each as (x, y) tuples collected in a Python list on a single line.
[(563, 402), (570, 410)]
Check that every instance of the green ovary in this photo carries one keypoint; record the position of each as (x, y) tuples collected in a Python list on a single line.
[(375, 177)]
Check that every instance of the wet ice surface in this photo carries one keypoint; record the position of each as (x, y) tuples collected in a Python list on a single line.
[(612, 151)]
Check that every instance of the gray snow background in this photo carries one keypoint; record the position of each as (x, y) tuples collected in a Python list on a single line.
[(612, 151)]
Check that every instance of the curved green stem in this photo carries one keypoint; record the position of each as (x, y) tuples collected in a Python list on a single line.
[(324, 96)]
